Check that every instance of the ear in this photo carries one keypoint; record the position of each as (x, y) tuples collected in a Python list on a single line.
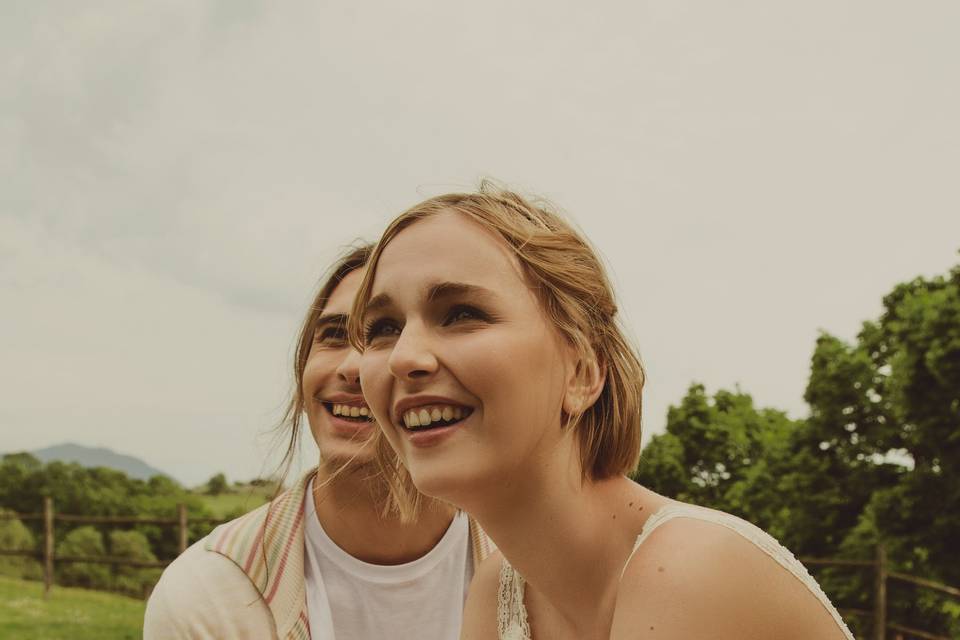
[(584, 384)]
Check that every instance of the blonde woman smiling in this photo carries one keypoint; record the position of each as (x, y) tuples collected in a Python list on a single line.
[(495, 367)]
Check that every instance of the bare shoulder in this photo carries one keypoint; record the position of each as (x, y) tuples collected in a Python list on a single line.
[(480, 612), (204, 594), (697, 578)]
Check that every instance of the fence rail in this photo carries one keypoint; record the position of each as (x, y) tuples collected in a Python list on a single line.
[(49, 517), (880, 567)]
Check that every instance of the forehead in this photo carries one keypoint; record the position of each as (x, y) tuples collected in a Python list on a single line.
[(341, 298), (447, 246)]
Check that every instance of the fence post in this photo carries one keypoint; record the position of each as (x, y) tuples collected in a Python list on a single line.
[(47, 545), (182, 518), (880, 595)]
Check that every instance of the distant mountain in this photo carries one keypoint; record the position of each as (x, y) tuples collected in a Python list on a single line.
[(98, 457)]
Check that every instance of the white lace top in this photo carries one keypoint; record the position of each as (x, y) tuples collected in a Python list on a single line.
[(512, 614)]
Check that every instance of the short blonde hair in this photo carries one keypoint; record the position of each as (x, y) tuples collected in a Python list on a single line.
[(576, 296)]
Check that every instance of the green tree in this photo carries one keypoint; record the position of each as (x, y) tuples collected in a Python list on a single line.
[(720, 452), (217, 485), (98, 491)]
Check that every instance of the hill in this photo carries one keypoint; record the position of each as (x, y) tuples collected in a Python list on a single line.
[(98, 457)]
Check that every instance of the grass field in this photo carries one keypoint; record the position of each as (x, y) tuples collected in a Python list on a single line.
[(237, 500), (74, 614)]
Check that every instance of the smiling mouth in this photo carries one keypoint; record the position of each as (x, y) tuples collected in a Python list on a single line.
[(434, 417), (350, 413)]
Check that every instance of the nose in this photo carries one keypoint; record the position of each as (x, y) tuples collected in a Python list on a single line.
[(349, 368), (411, 357)]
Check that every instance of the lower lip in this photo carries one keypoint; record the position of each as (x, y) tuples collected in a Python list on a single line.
[(432, 437), (349, 428)]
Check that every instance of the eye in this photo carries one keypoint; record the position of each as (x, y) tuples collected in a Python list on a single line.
[(331, 335), (380, 328), (462, 313)]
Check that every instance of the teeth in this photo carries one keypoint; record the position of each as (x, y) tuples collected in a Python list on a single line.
[(347, 410), (425, 416)]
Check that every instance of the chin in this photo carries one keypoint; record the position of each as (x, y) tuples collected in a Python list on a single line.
[(446, 480), (335, 458)]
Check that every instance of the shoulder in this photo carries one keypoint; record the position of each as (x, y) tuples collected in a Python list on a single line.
[(711, 574), (480, 612), (205, 594)]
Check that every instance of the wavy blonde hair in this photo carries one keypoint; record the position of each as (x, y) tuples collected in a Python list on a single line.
[(576, 296)]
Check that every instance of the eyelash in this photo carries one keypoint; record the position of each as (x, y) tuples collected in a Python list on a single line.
[(331, 333), (374, 328), (456, 310)]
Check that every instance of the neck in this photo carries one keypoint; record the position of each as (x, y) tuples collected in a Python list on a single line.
[(349, 504), (553, 529)]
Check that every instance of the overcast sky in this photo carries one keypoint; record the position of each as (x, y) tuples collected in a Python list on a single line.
[(175, 176)]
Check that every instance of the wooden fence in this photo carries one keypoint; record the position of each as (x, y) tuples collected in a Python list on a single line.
[(882, 573), (47, 555)]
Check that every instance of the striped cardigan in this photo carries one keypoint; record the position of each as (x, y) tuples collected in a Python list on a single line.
[(267, 544)]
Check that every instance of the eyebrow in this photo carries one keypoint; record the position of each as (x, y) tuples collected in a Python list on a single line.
[(438, 291), (443, 290)]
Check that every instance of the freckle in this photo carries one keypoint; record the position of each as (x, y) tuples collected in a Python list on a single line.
[(640, 508), (631, 504), (614, 516), (660, 569), (651, 628)]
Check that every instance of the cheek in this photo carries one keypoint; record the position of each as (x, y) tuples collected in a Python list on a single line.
[(516, 371), (375, 380)]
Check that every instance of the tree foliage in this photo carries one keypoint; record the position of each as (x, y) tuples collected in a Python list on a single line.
[(15, 536), (83, 542), (217, 484), (99, 491), (876, 461)]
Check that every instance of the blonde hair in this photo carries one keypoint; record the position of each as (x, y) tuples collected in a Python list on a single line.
[(576, 296)]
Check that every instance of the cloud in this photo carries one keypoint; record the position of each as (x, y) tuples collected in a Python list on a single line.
[(178, 175)]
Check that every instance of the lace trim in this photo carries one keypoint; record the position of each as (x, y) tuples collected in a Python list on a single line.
[(511, 612), (754, 534)]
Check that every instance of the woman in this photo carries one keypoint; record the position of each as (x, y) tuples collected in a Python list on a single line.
[(328, 558), (493, 364)]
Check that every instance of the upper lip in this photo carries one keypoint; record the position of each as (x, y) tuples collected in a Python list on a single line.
[(404, 404), (351, 400)]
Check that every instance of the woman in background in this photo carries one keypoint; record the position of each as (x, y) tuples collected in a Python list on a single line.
[(328, 558), (495, 368)]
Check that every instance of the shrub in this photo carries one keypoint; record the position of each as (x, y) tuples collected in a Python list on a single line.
[(83, 541), (14, 535), (133, 545)]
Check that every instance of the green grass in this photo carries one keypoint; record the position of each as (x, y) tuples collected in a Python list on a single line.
[(69, 613), (239, 500)]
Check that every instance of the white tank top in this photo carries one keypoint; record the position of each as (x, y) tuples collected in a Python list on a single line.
[(512, 614), (420, 599)]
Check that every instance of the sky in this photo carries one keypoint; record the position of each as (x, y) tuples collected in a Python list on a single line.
[(176, 176)]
